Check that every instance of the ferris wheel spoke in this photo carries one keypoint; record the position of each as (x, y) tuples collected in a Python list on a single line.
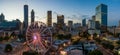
[(41, 48), (41, 43), (30, 30), (41, 28), (36, 25), (50, 32), (30, 41), (44, 30), (46, 38), (30, 26), (29, 35)]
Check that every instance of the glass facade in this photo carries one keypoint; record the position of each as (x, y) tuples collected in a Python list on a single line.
[(25, 16), (101, 14)]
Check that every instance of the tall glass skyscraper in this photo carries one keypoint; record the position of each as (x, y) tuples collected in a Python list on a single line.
[(101, 14), (32, 16), (25, 16), (84, 22)]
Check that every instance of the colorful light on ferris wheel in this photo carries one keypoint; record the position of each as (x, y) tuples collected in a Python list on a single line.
[(34, 37)]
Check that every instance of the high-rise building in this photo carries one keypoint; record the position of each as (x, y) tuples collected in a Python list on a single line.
[(84, 22), (93, 18), (70, 23), (94, 24), (101, 14), (76, 26), (91, 24), (2, 17), (97, 25), (49, 18), (119, 23), (25, 17), (60, 21), (32, 16)]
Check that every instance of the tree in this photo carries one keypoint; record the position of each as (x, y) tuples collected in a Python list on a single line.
[(117, 35), (30, 53), (95, 34), (6, 38), (1, 38), (97, 40), (108, 45), (118, 42), (95, 52), (75, 42), (21, 37), (86, 34), (60, 36), (68, 36), (8, 48), (13, 35)]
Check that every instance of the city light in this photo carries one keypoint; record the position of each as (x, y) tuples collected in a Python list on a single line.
[(63, 53)]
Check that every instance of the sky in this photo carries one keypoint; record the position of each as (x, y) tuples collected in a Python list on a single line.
[(71, 9)]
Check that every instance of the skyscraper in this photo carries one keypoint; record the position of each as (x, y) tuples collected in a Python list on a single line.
[(101, 14), (25, 16), (32, 16), (93, 18), (49, 18), (60, 21), (91, 24), (84, 22), (70, 24), (2, 17)]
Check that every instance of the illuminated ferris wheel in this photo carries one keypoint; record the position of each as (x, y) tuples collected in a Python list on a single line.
[(39, 37)]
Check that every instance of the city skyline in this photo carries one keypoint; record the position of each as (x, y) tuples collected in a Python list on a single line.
[(14, 9)]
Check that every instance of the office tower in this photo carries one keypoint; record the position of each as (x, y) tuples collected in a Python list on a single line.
[(32, 16), (84, 22), (2, 17), (91, 24), (101, 14), (97, 25), (25, 17), (76, 27), (60, 21), (49, 18), (93, 18), (70, 23)]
